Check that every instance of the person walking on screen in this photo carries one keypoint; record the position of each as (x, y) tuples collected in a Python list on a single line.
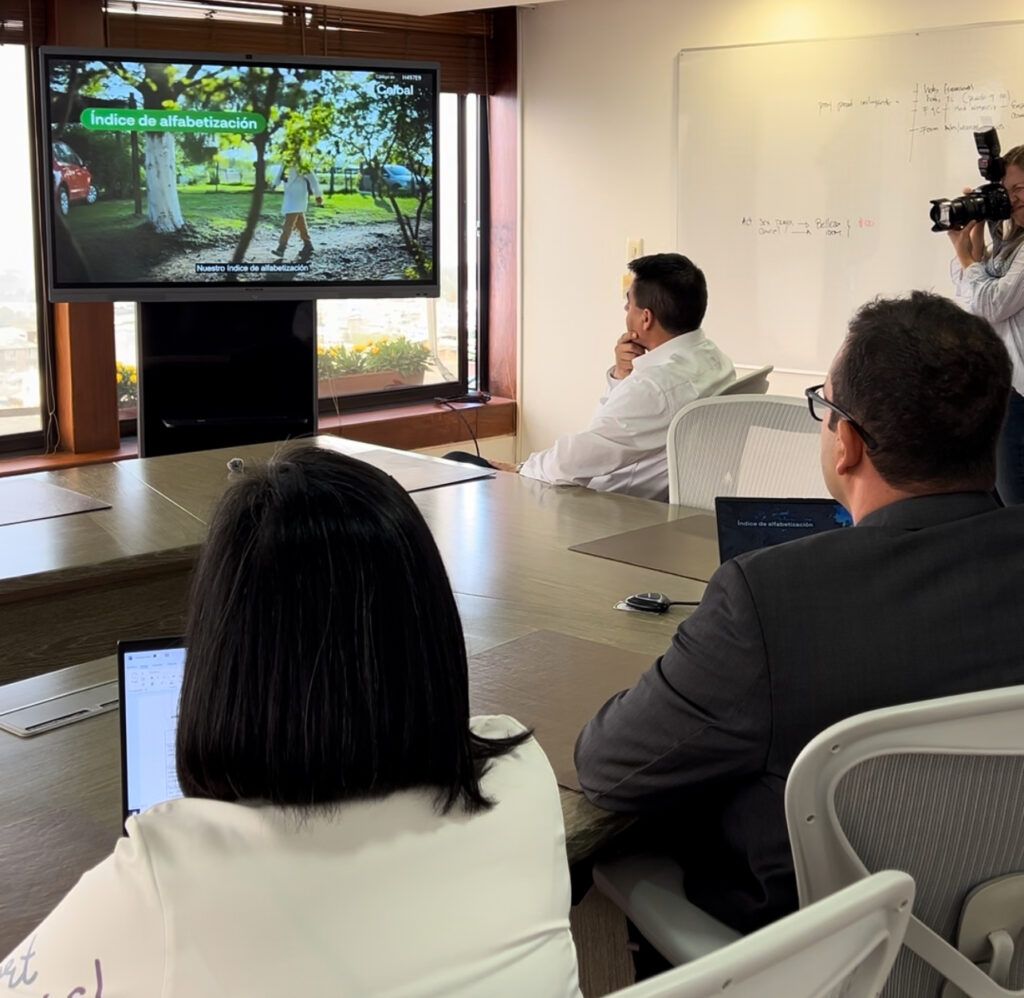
[(299, 186)]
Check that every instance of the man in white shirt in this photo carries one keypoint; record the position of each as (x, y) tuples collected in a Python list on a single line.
[(662, 362)]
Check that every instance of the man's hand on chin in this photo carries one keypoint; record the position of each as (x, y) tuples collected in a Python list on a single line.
[(627, 349)]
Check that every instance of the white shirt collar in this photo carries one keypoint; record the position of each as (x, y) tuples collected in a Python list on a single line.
[(682, 343)]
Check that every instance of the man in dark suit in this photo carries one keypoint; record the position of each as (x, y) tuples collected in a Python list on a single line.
[(922, 598)]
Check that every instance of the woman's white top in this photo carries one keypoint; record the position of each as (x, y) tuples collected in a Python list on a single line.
[(379, 897), (297, 188), (994, 290)]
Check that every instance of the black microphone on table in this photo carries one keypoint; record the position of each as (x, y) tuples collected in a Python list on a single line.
[(654, 602)]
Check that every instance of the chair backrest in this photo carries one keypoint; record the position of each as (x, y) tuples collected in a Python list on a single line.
[(933, 789), (752, 383), (842, 946), (753, 445)]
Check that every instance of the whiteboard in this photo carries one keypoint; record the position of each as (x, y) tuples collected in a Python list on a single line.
[(806, 170)]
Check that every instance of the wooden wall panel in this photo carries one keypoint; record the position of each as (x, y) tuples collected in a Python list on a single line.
[(503, 113), (83, 333), (84, 362)]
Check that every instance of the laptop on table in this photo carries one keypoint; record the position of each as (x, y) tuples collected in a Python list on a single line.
[(694, 546), (149, 685), (746, 524)]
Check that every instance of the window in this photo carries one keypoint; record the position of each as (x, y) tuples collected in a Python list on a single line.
[(21, 396), (374, 351)]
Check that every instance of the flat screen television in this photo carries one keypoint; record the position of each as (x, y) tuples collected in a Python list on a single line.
[(178, 176)]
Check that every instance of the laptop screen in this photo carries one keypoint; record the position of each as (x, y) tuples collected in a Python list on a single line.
[(150, 674), (747, 524)]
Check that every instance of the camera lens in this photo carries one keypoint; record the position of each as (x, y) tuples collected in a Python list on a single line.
[(989, 202)]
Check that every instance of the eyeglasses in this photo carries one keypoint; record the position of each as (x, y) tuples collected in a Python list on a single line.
[(815, 399)]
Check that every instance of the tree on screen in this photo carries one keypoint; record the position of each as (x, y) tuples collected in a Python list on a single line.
[(304, 133), (279, 99), (394, 129), (209, 92), (161, 86)]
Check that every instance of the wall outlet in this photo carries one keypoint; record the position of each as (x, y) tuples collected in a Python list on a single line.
[(634, 247)]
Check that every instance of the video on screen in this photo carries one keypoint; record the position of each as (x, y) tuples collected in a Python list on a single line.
[(174, 173)]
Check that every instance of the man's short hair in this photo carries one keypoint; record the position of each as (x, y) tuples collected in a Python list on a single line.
[(930, 383), (672, 288)]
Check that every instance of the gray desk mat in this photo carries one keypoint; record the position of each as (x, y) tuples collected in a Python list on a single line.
[(687, 547), (24, 499), (415, 472), (553, 683)]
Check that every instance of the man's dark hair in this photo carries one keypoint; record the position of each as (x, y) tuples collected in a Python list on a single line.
[(325, 659), (930, 383), (672, 288)]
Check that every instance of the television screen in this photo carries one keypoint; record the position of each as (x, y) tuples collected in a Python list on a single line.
[(198, 176)]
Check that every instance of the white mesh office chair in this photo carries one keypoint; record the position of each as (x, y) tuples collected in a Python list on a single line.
[(752, 383), (935, 789), (754, 445), (843, 946)]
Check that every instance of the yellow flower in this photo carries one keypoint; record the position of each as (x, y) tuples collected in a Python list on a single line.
[(133, 377), (375, 351), (424, 348), (359, 347)]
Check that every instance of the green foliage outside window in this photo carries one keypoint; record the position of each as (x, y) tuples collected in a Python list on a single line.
[(386, 353), (331, 362), (127, 385), (396, 353)]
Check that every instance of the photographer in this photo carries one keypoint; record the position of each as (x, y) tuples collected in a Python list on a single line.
[(990, 283)]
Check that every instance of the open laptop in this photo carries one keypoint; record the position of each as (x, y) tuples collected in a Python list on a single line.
[(694, 546), (149, 683), (745, 524)]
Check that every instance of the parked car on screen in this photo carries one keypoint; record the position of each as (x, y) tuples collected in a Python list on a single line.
[(72, 180), (394, 179)]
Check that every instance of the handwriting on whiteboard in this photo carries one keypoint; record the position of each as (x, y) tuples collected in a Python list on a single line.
[(823, 227), (934, 108), (847, 104)]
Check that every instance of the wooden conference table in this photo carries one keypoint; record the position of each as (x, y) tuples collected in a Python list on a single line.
[(505, 544)]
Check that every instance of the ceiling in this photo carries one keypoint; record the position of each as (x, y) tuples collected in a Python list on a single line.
[(425, 6)]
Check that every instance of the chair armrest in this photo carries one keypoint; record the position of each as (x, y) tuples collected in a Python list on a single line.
[(649, 890)]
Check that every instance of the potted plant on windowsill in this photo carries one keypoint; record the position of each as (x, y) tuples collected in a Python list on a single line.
[(398, 353), (346, 371), (127, 391)]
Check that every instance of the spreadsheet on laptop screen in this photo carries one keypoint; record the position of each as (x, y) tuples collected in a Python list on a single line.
[(152, 684)]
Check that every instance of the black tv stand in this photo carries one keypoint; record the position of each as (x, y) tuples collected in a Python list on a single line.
[(221, 373)]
